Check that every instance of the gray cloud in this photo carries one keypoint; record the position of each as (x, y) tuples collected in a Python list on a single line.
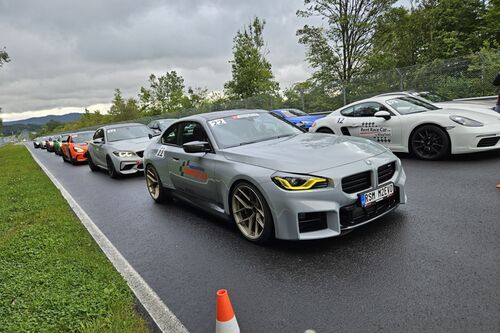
[(74, 53)]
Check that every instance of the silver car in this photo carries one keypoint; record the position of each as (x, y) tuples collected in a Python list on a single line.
[(119, 148), (271, 178)]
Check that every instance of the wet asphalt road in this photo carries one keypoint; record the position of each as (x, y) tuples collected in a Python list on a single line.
[(433, 265)]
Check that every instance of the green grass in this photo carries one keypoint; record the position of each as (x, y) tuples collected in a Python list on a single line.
[(53, 276)]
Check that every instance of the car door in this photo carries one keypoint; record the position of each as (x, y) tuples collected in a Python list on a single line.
[(97, 150), (359, 120), (192, 173)]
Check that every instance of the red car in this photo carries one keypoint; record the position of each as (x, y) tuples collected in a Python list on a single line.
[(73, 149)]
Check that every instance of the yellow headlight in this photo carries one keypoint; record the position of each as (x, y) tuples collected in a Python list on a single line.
[(307, 185)]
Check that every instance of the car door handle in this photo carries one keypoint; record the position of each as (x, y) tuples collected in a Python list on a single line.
[(175, 158)]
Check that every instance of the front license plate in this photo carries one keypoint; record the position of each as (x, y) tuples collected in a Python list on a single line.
[(380, 193)]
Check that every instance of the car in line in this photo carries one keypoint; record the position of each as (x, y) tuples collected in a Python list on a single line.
[(119, 148), (74, 147), (37, 143), (297, 117), (159, 125), (57, 144), (272, 178), (409, 124), (43, 142), (49, 144)]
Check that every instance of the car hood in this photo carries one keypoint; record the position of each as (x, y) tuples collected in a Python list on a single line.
[(484, 116), (138, 144), (305, 153)]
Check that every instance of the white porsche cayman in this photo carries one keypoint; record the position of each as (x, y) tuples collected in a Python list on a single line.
[(407, 124)]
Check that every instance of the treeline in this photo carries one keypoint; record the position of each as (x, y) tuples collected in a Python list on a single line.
[(361, 47)]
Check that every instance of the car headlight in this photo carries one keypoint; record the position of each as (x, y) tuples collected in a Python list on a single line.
[(305, 122), (124, 153), (292, 182), (466, 121), (78, 149)]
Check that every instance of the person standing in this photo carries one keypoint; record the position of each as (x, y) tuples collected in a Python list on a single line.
[(496, 83)]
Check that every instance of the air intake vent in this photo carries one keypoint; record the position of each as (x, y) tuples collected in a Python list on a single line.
[(357, 183), (385, 172), (488, 142), (140, 153)]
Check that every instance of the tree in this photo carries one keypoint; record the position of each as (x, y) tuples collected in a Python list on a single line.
[(122, 109), (338, 50), (165, 94), (4, 57), (251, 72)]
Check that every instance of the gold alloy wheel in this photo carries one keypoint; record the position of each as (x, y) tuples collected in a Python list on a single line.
[(153, 183), (248, 212)]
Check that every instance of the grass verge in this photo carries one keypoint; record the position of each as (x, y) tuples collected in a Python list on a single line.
[(53, 276)]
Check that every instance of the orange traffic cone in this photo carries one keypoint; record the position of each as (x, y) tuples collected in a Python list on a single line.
[(226, 321)]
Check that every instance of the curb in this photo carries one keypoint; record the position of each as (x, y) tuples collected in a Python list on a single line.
[(157, 310)]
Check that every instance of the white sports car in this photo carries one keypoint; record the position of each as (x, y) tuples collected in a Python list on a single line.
[(407, 124)]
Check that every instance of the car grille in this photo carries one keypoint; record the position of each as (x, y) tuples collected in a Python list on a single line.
[(354, 214), (488, 142), (140, 153), (386, 171), (358, 182), (312, 221)]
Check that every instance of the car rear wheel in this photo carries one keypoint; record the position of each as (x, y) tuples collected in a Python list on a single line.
[(325, 130), (251, 213), (111, 168), (430, 142), (92, 166), (155, 188)]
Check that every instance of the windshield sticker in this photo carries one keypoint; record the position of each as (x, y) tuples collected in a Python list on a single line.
[(161, 152), (217, 122), (243, 116), (193, 171), (112, 130), (392, 101)]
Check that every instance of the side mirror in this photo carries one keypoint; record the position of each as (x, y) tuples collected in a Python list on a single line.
[(152, 135), (196, 147), (98, 141), (383, 114)]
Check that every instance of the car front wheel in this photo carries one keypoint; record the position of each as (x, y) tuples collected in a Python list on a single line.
[(111, 168), (155, 188), (91, 163), (251, 213), (430, 142)]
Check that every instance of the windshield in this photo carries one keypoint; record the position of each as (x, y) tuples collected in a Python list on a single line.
[(293, 113), (242, 129), (127, 132), (82, 137), (433, 97), (408, 105)]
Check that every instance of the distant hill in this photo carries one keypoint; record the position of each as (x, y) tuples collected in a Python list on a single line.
[(65, 118)]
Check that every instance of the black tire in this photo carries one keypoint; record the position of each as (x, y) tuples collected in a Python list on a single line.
[(325, 130), (159, 194), (71, 160), (429, 142), (64, 158), (268, 229), (111, 168), (92, 166)]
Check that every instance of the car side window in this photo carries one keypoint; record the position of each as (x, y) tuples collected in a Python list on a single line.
[(367, 109), (348, 112), (170, 136), (192, 131), (99, 134)]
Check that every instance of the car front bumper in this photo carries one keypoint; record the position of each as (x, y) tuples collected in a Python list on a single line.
[(323, 213), (128, 166), (474, 139)]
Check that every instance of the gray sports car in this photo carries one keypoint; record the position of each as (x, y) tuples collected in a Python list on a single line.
[(119, 148), (271, 178)]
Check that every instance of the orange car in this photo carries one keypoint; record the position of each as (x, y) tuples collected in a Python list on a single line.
[(74, 147)]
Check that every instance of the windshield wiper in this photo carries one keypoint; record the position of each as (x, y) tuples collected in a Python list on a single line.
[(260, 140)]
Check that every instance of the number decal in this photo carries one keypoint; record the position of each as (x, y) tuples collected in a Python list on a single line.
[(340, 120), (217, 122), (161, 152)]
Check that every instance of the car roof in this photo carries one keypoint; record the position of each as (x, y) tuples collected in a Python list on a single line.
[(223, 114), (121, 125), (377, 98)]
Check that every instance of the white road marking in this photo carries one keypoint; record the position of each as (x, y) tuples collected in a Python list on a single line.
[(159, 312)]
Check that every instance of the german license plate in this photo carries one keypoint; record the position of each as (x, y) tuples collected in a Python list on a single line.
[(380, 193)]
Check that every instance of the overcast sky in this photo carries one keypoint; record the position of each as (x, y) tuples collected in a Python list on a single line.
[(75, 53)]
